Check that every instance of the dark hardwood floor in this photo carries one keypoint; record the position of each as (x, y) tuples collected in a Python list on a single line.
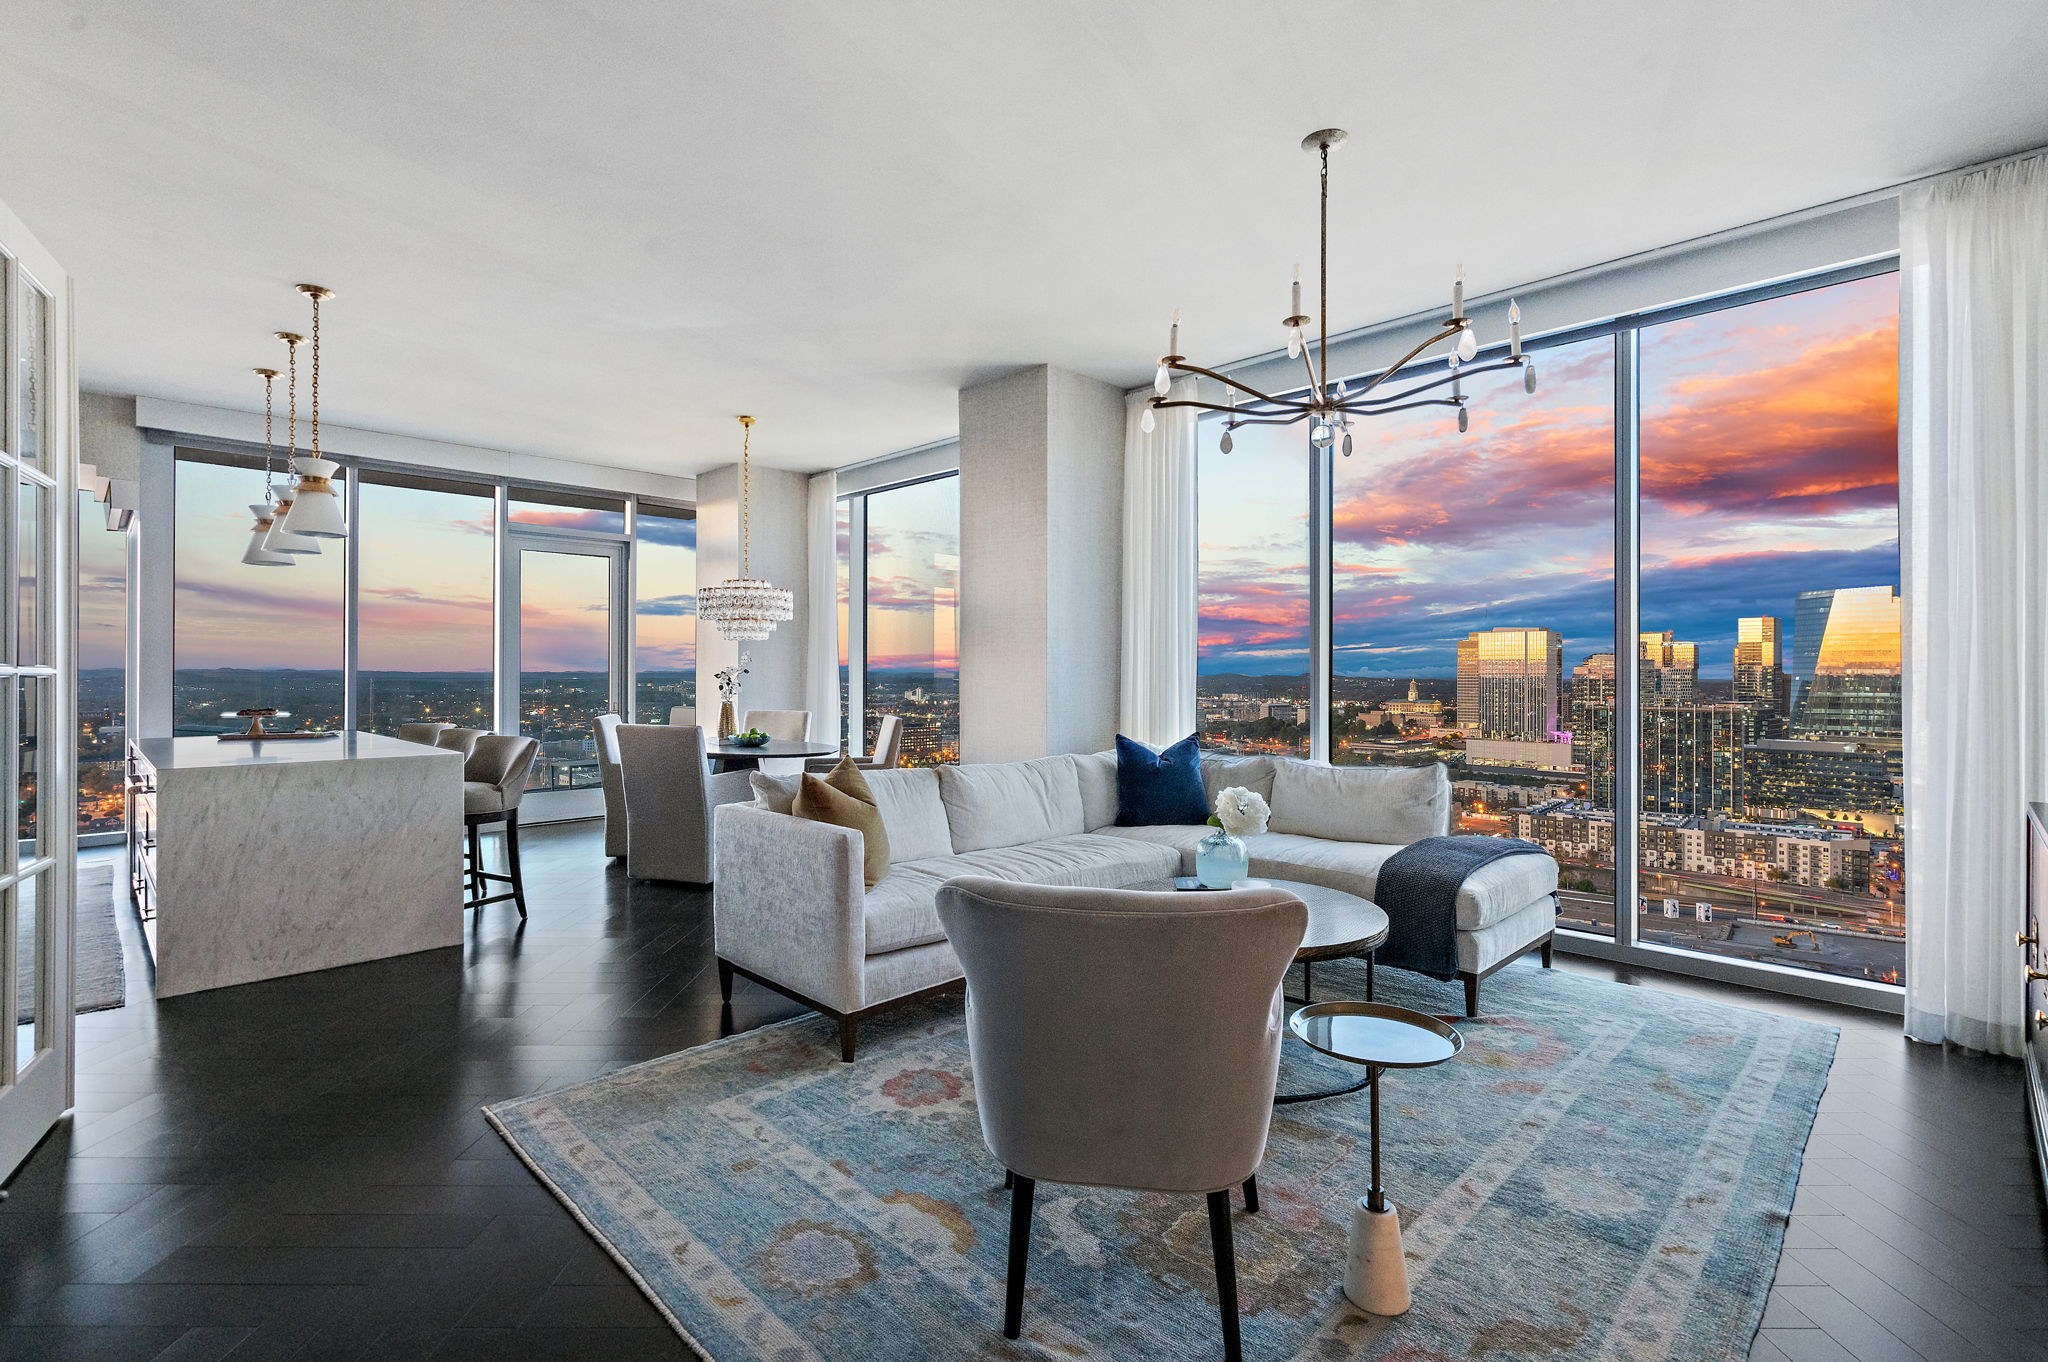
[(298, 1169)]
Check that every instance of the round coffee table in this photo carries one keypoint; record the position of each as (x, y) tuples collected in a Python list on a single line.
[(1341, 926), (1379, 1037)]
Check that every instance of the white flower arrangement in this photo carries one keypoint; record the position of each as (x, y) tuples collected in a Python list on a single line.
[(1241, 812)]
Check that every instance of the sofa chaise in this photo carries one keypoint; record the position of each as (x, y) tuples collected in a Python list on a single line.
[(791, 912)]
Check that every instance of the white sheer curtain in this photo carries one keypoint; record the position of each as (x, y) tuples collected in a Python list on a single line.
[(1973, 423), (1158, 701), (821, 642)]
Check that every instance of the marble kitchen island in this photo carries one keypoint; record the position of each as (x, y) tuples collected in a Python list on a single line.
[(253, 860)]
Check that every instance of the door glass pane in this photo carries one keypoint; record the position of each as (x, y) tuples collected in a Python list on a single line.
[(1252, 583), (28, 547), (248, 636), (29, 942), (664, 614), (1472, 609), (102, 667), (28, 742), (913, 608), (1772, 795), (35, 321), (564, 663), (424, 622)]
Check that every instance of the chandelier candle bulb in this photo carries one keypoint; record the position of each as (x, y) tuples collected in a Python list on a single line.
[(1146, 422), (1514, 329), (1458, 293)]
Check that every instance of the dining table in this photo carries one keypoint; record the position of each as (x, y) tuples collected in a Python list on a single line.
[(731, 756)]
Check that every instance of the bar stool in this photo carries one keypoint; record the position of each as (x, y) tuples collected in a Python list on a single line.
[(461, 740), (426, 731), (492, 783)]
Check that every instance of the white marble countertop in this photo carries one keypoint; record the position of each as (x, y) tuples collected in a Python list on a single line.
[(189, 754)]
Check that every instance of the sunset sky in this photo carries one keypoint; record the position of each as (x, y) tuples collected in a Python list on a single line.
[(914, 578), (1769, 466), (427, 589)]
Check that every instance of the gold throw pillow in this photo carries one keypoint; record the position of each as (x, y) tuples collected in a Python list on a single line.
[(844, 800)]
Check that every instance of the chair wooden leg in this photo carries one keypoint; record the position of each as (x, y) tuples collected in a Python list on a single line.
[(1009, 1179), (1226, 1273), (1020, 1256), (1471, 995), (724, 982), (849, 1035), (1251, 1195), (1548, 947), (476, 862), (512, 860)]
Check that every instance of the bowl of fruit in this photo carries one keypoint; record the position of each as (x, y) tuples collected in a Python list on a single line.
[(753, 737)]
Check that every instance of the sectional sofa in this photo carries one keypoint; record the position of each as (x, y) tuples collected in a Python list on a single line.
[(791, 910)]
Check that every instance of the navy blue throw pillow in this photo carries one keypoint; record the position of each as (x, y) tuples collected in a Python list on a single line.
[(1159, 787)]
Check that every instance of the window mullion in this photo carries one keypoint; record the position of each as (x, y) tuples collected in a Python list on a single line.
[(1627, 740)]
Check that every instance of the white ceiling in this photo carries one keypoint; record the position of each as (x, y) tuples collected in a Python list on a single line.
[(597, 230)]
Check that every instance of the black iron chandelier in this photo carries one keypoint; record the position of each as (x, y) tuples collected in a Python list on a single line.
[(1327, 406)]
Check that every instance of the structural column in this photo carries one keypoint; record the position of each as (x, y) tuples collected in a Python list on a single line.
[(1041, 538)]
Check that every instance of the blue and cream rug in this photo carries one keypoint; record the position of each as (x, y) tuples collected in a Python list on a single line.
[(1605, 1172)]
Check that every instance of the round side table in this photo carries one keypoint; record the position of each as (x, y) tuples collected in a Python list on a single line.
[(1379, 1037)]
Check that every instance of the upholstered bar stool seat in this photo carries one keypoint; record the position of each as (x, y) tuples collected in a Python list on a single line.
[(426, 731), (613, 777), (493, 781), (461, 740)]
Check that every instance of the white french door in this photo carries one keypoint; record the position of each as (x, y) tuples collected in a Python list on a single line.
[(563, 662), (38, 678)]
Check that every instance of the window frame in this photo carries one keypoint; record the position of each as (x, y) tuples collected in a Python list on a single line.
[(853, 738)]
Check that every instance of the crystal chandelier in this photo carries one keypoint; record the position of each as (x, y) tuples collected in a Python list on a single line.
[(745, 607), (1327, 406)]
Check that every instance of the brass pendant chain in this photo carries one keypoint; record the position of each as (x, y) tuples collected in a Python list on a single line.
[(291, 458), (1322, 282), (316, 374), (746, 495), (269, 444)]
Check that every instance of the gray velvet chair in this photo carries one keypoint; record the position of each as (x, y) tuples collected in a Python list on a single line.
[(614, 784), (426, 731), (682, 716), (783, 725), (1122, 1038), (493, 782), (888, 753), (461, 740), (669, 794)]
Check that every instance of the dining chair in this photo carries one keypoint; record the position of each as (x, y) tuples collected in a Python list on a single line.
[(783, 725), (682, 716), (1121, 1038), (614, 785), (888, 753), (669, 791), (493, 782), (425, 731), (461, 740)]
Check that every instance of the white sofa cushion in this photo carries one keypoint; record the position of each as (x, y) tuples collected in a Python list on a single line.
[(1479, 950), (1006, 804), (1220, 773), (1096, 772), (902, 910), (1360, 803), (1182, 838), (908, 798), (1493, 893)]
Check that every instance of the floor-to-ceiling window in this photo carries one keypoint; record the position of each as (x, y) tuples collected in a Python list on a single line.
[(424, 601), (899, 613), (1472, 605), (1253, 609), (664, 612), (248, 637), (1770, 714), (1473, 599), (912, 601), (102, 624)]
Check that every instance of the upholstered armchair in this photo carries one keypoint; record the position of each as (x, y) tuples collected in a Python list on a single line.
[(1124, 1038), (682, 716), (887, 754), (461, 740), (783, 725), (669, 794), (425, 732), (614, 784)]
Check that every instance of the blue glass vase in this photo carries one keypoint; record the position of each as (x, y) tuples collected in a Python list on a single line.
[(1221, 860)]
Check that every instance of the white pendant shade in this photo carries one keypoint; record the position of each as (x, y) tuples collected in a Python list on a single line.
[(745, 607), (315, 510), (258, 554), (282, 540)]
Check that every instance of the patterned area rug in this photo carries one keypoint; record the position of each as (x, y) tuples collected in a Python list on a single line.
[(1605, 1172)]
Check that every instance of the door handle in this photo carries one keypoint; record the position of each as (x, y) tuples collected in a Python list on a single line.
[(2025, 938)]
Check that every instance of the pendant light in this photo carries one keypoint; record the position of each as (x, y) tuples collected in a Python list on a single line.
[(257, 554), (280, 539), (315, 511), (745, 607)]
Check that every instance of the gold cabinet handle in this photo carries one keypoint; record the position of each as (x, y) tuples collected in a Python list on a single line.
[(2032, 975), (2040, 1020), (2024, 938)]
